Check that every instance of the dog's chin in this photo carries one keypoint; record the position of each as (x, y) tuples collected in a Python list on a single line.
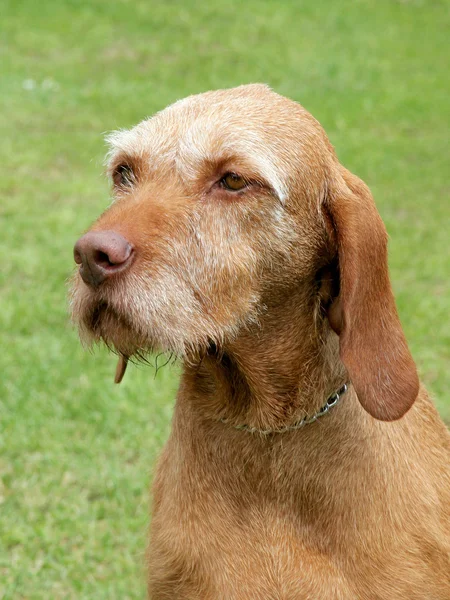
[(102, 323)]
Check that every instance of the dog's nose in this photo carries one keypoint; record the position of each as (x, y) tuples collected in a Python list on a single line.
[(102, 254)]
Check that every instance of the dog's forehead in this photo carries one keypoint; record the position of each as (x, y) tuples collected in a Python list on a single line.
[(218, 117), (251, 122)]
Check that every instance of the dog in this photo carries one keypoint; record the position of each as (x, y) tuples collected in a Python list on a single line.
[(305, 459)]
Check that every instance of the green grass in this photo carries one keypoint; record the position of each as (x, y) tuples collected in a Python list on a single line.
[(76, 452)]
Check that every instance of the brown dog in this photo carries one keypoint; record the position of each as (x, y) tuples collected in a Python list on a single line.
[(238, 242)]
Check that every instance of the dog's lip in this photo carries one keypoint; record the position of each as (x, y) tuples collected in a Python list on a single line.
[(102, 310)]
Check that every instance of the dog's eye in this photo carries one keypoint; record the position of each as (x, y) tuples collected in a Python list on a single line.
[(233, 182), (123, 176)]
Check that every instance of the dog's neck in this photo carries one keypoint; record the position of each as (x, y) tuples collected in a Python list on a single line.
[(273, 373)]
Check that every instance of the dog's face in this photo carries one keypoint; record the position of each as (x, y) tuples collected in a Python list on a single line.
[(224, 203), (217, 197)]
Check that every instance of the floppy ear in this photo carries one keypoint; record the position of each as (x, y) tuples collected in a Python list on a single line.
[(372, 343)]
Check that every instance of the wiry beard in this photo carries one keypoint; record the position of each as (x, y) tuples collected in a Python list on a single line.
[(132, 324), (103, 323)]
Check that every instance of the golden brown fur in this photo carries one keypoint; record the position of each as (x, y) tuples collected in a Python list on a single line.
[(273, 297)]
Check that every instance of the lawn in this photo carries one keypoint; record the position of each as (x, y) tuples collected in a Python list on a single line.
[(76, 452)]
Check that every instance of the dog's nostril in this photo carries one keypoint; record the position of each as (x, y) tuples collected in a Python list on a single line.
[(102, 259)]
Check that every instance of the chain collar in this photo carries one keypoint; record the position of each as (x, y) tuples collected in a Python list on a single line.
[(332, 401)]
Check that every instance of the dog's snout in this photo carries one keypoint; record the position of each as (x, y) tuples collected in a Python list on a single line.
[(102, 254)]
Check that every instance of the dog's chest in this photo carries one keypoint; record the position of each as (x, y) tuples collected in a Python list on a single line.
[(252, 558), (210, 559), (254, 531)]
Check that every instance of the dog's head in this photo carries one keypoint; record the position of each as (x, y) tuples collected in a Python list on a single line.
[(224, 203)]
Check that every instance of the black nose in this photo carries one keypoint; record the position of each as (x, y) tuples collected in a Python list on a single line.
[(102, 254)]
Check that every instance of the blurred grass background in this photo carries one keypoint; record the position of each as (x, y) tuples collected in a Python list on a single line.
[(76, 452)]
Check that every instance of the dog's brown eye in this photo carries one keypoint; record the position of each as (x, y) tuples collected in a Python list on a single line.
[(233, 182), (123, 176)]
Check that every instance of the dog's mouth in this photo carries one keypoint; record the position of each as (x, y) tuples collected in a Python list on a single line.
[(136, 318), (102, 318), (103, 322)]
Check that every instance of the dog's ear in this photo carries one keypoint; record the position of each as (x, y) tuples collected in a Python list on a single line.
[(373, 347)]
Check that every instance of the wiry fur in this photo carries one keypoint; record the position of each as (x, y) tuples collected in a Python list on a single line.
[(273, 297)]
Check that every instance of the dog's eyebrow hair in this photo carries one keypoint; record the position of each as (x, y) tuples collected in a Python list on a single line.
[(261, 164), (265, 166), (121, 143), (251, 151), (119, 156)]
